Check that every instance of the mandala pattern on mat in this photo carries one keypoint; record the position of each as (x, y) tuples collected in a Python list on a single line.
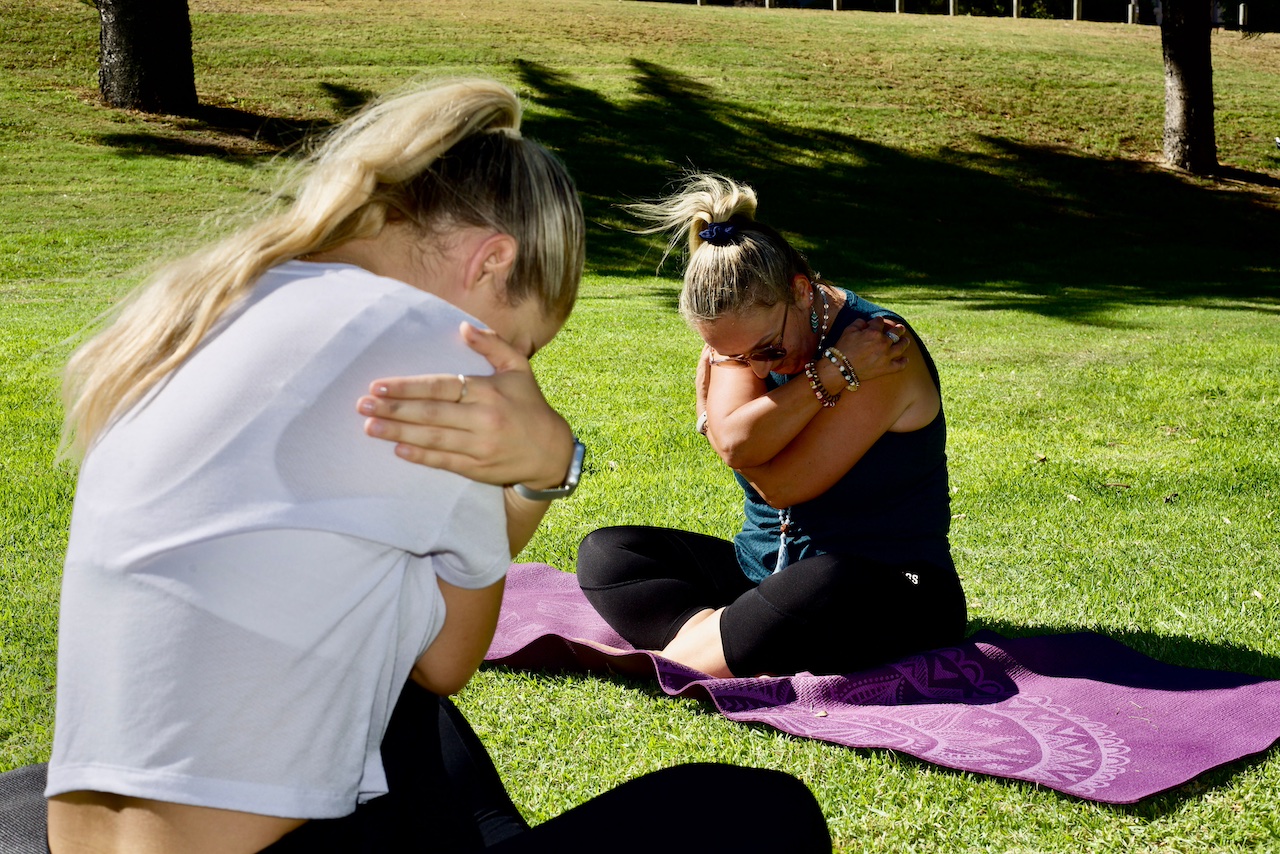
[(1024, 737)]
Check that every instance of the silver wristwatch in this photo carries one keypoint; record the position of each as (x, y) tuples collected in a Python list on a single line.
[(565, 489)]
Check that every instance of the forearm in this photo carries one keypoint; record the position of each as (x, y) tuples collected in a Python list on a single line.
[(837, 439), (779, 485), (523, 518), (757, 431)]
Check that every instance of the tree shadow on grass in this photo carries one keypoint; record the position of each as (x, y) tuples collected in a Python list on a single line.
[(1005, 226), (1171, 649), (233, 134)]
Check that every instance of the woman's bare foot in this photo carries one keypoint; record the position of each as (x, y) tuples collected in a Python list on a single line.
[(698, 645)]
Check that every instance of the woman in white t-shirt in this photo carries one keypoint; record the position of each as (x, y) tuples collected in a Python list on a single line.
[(253, 586)]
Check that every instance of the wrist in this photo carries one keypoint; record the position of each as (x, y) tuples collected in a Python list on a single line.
[(829, 374), (848, 376), (555, 460), (818, 387), (561, 485)]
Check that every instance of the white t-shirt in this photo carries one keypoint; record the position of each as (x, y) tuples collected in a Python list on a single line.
[(250, 577)]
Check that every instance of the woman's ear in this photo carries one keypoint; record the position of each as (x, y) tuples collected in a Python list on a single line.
[(800, 289), (490, 263)]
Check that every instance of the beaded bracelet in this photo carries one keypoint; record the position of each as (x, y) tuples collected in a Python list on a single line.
[(845, 367), (819, 390)]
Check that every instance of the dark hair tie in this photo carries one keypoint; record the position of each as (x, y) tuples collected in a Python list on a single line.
[(719, 233)]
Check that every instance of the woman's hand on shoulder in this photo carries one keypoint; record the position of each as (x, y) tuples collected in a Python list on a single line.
[(497, 429), (875, 347)]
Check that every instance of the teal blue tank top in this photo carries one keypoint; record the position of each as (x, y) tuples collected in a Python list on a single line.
[(859, 514)]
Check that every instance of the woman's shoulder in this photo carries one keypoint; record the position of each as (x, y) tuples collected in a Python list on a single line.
[(327, 309), (327, 286), (864, 308)]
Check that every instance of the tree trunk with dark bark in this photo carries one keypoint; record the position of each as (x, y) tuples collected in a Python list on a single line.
[(1185, 37), (145, 60)]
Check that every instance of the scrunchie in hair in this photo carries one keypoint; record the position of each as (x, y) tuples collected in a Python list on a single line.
[(719, 233)]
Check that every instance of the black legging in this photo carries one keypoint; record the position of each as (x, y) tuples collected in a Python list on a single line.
[(825, 614), (445, 796)]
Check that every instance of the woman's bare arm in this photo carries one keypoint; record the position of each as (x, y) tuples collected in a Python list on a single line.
[(748, 425), (456, 653), (837, 438)]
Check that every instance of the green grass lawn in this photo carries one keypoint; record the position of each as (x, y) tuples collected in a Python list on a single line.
[(1108, 334)]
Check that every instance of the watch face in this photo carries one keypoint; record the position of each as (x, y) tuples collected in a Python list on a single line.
[(575, 468)]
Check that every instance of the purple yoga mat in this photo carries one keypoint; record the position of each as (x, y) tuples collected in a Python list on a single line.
[(1078, 713)]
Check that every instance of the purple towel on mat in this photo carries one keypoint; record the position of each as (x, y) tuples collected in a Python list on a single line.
[(1079, 713)]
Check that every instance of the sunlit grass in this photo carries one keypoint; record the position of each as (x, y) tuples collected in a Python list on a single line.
[(1107, 334)]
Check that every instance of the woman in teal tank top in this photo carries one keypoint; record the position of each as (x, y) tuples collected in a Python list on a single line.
[(829, 410)]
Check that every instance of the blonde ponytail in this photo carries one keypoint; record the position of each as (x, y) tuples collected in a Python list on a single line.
[(381, 159), (753, 268)]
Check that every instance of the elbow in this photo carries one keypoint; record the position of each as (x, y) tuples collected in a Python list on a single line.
[(737, 455), (777, 495), (782, 491), (442, 682), (733, 458), (775, 502)]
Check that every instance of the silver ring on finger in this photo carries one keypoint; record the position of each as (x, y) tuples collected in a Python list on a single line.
[(893, 336), (462, 394)]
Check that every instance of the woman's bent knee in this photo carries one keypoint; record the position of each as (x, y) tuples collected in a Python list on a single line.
[(607, 556)]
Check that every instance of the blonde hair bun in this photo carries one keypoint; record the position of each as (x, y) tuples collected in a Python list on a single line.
[(728, 270)]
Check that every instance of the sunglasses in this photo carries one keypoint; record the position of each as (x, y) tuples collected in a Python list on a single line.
[(768, 354)]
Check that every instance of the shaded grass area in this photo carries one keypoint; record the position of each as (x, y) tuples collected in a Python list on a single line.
[(1106, 332), (1014, 225)]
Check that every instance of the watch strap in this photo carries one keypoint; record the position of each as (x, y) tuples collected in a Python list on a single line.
[(565, 489)]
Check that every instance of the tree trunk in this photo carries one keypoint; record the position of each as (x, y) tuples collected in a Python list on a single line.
[(145, 61), (1185, 37)]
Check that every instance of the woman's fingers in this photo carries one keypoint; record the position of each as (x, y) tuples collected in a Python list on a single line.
[(440, 411), (489, 344), (442, 387), (468, 467), (496, 429), (876, 347), (702, 380), (486, 445), (449, 387), (897, 334)]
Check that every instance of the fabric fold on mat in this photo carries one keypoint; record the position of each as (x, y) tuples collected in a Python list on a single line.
[(1078, 713)]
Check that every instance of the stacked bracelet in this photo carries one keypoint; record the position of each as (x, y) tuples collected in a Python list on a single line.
[(819, 390), (843, 365)]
